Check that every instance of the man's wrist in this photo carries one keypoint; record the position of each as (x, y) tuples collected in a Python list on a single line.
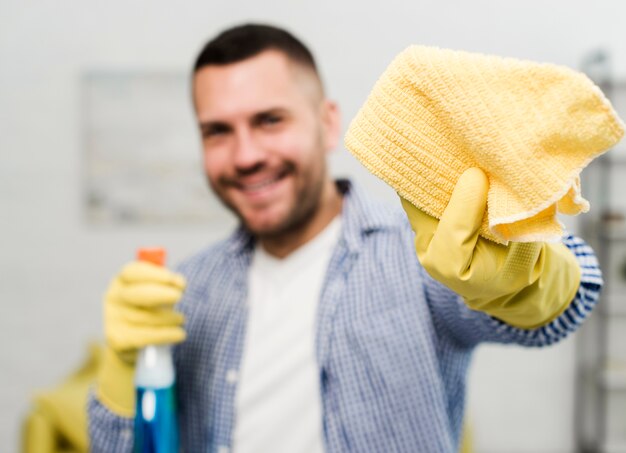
[(115, 387)]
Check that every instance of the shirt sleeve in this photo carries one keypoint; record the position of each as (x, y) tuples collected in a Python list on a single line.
[(108, 432), (453, 318)]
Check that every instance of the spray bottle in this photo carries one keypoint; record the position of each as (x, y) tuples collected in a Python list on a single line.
[(156, 430)]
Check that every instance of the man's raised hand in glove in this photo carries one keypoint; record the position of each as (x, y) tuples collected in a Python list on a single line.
[(138, 311), (526, 285)]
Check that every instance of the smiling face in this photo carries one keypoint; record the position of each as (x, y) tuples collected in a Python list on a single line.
[(266, 129)]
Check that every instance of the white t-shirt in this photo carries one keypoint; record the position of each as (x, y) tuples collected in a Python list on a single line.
[(278, 404)]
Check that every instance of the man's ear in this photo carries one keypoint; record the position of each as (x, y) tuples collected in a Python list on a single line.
[(331, 119)]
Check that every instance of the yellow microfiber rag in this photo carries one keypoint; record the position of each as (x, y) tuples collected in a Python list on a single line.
[(531, 127)]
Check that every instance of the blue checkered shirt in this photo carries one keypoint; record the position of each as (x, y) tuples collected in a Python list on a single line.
[(392, 345)]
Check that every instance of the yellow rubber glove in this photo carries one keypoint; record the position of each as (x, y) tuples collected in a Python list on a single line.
[(138, 311), (526, 285)]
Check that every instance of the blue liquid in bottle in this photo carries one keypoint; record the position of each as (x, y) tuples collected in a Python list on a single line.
[(155, 427), (156, 430)]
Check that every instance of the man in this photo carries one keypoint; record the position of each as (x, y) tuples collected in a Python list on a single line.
[(313, 327)]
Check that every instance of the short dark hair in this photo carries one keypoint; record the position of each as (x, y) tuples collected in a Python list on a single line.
[(245, 41)]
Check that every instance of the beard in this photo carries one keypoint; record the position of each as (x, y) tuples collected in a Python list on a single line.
[(305, 202)]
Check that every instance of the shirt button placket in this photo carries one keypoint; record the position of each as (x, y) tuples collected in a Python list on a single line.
[(232, 376)]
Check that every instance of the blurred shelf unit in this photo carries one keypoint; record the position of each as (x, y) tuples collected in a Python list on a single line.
[(612, 234), (613, 448), (613, 378), (601, 386)]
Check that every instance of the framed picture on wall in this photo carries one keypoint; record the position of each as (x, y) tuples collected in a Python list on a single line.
[(142, 151)]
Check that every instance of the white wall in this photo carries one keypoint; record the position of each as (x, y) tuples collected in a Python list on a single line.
[(54, 268)]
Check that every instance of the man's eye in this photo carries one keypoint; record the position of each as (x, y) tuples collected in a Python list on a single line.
[(213, 131), (270, 119)]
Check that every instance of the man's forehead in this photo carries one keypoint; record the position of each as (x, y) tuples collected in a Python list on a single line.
[(258, 83), (270, 68)]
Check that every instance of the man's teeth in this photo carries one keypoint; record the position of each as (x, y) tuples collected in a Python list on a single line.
[(259, 185)]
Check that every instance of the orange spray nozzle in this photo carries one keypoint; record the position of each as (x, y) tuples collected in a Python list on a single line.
[(154, 255)]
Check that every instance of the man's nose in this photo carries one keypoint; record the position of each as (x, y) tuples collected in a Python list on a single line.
[(248, 154)]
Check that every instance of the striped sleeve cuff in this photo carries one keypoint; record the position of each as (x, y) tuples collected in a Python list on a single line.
[(108, 432), (584, 301)]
